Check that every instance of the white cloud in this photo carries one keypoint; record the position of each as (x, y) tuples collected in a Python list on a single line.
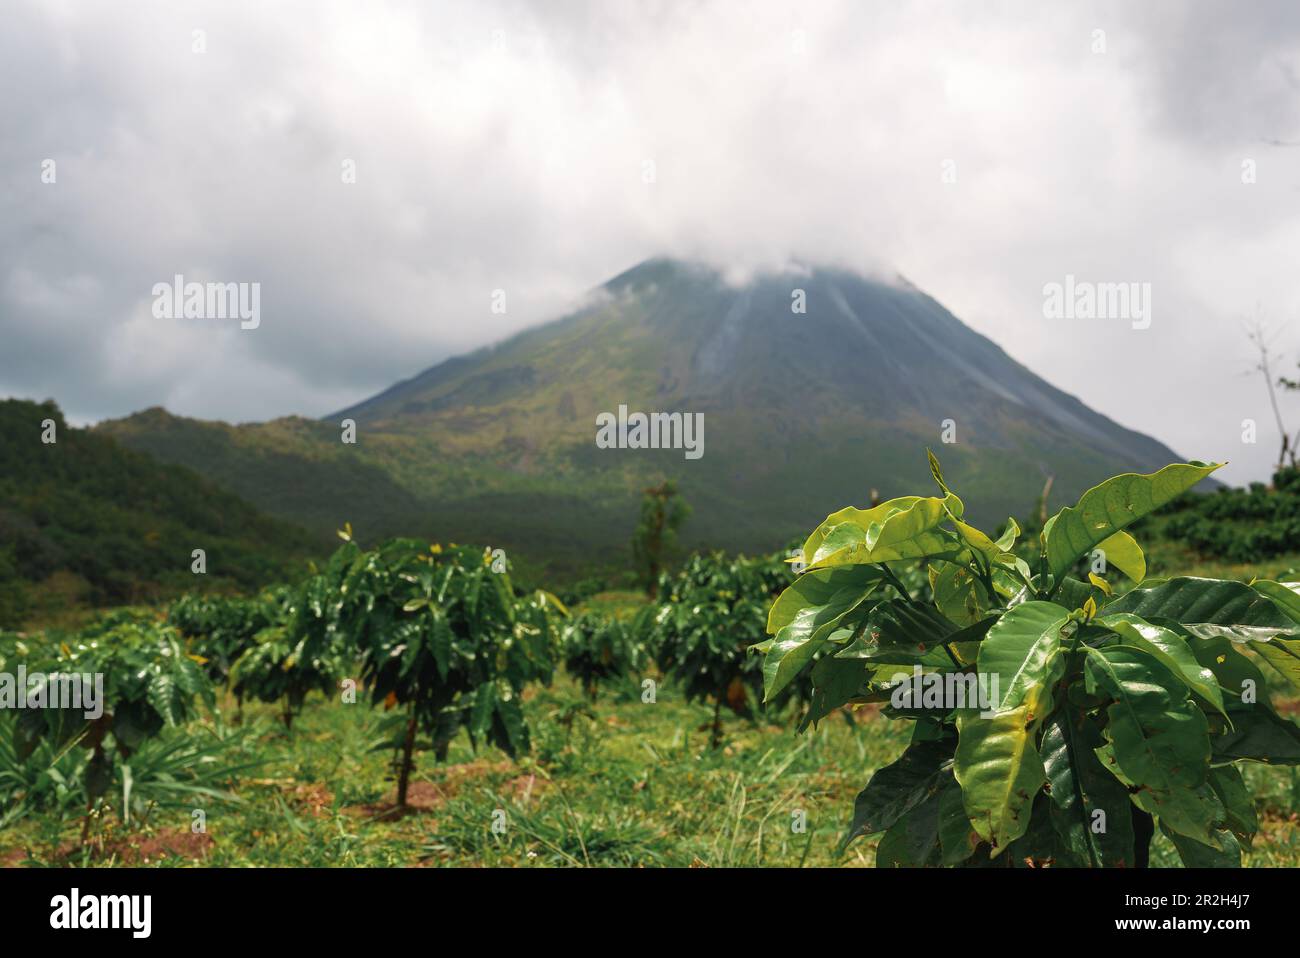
[(505, 145)]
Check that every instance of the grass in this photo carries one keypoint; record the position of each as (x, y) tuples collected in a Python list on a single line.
[(611, 783), (614, 782)]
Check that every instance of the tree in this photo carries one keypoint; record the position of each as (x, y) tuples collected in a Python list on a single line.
[(663, 510), (1259, 338), (440, 634)]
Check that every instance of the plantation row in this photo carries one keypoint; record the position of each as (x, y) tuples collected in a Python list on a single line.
[(1241, 525), (435, 633), (1107, 705)]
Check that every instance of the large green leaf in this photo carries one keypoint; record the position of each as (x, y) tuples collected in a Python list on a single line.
[(1122, 551), (817, 589), (1157, 740), (808, 629), (912, 532), (1167, 646), (1237, 801), (1000, 771), (1081, 788), (1283, 655), (913, 840), (1112, 506), (957, 593), (902, 633), (1258, 734), (1199, 855), (1022, 651), (1285, 594), (862, 518), (898, 788), (957, 840), (1209, 608), (1235, 674)]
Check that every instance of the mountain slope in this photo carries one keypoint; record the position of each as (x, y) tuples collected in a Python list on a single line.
[(83, 518), (803, 413)]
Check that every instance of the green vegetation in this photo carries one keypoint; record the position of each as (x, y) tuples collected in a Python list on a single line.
[(609, 784), (439, 633), (86, 521), (498, 446), (603, 650), (703, 633), (663, 510), (621, 757), (149, 683), (1053, 724), (1240, 525)]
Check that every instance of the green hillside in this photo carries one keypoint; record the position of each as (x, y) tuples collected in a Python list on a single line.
[(803, 412), (86, 521)]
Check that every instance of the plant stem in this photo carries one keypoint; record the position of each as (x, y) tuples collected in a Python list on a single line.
[(408, 748), (1144, 829), (896, 582)]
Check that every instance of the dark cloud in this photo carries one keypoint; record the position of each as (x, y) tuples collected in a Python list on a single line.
[(507, 146)]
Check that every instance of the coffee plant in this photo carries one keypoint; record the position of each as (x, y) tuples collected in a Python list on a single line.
[(150, 683), (441, 634), (221, 629), (601, 649), (1054, 722), (711, 615)]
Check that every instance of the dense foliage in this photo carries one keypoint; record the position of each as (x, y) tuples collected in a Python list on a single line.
[(710, 615), (600, 648), (439, 631), (1053, 723), (223, 628), (149, 684), (119, 524), (1240, 525)]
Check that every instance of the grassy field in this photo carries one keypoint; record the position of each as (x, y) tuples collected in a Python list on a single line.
[(614, 783)]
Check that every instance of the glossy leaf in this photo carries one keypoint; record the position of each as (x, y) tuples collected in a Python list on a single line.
[(1157, 740), (910, 532), (898, 788), (1090, 807), (1209, 608), (807, 631), (1122, 551), (1000, 771), (1023, 651), (1112, 506), (1170, 648)]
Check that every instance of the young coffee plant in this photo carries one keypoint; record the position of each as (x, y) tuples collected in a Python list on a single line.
[(149, 684), (1054, 723), (440, 634), (221, 629), (599, 649), (712, 613)]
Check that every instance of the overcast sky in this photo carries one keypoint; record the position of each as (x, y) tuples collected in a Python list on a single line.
[(507, 146)]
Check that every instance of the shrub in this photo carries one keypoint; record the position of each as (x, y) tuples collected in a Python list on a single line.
[(440, 632), (1097, 718)]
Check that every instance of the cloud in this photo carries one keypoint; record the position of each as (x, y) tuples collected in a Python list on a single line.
[(540, 149)]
